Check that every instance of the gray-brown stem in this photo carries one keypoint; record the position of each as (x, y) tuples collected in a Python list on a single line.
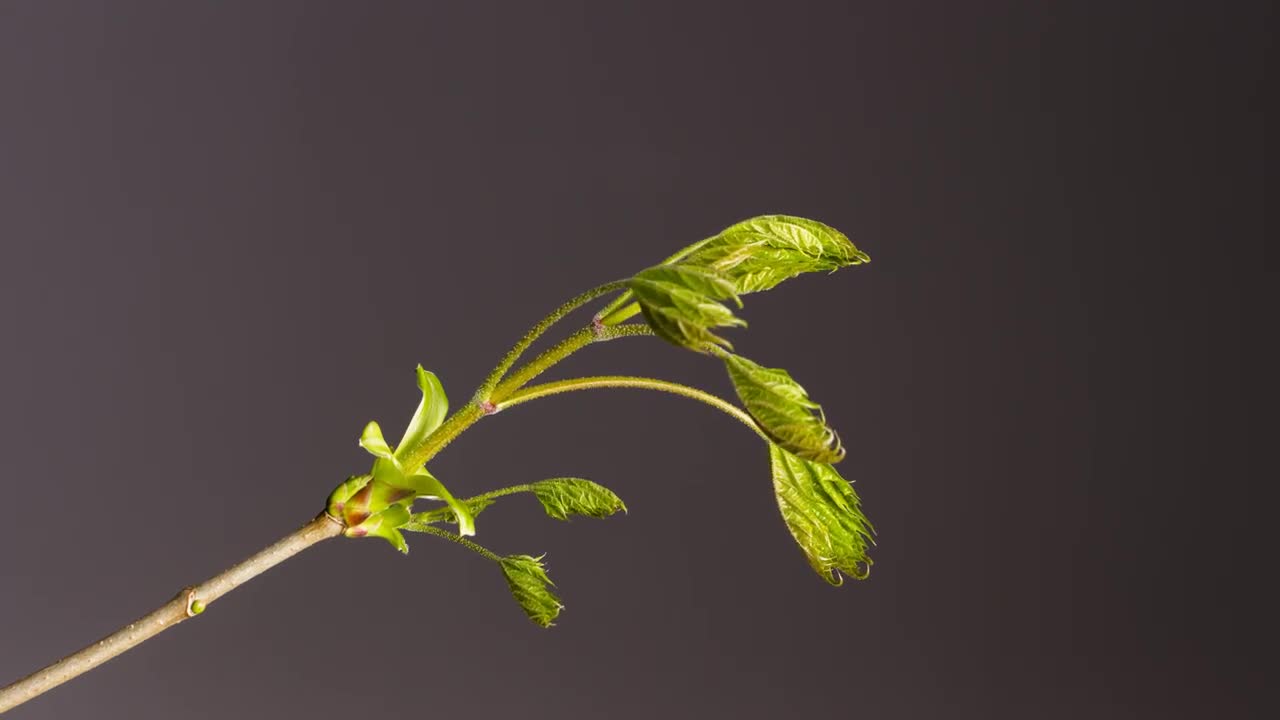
[(189, 602)]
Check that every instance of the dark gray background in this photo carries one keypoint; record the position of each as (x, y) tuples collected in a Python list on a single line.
[(228, 231)]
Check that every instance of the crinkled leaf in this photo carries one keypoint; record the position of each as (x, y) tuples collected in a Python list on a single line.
[(371, 439), (783, 409), (702, 281), (446, 514), (531, 587), (823, 514), (562, 497), (682, 304), (431, 411), (759, 253)]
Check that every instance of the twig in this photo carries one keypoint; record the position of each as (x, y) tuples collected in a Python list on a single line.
[(188, 603)]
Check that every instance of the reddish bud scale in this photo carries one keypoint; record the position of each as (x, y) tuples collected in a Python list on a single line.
[(356, 509)]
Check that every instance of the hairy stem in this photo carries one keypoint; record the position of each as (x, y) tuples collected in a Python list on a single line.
[(534, 392), (502, 492), (562, 350), (606, 314), (486, 388), (453, 537), (467, 416), (186, 604), (452, 427)]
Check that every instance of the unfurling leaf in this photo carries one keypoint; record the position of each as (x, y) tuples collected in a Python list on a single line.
[(823, 514), (562, 497), (682, 304), (371, 439), (759, 253), (430, 413), (531, 587), (391, 483), (783, 410)]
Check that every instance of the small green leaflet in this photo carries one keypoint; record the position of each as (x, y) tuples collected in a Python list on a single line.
[(682, 304), (824, 516), (430, 413), (562, 497), (531, 587), (371, 439), (759, 253), (783, 410), (526, 577)]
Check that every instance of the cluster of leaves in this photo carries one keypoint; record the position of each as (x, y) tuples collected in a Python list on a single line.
[(379, 503), (561, 498), (684, 301)]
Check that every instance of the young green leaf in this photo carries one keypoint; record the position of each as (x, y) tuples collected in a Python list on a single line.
[(430, 413), (824, 516), (526, 576), (562, 497), (783, 410), (756, 255), (371, 439), (531, 587), (759, 253), (682, 304)]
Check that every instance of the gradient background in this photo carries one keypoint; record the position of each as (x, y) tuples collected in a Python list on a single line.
[(228, 231)]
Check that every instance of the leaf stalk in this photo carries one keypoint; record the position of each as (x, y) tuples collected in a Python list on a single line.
[(625, 381)]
